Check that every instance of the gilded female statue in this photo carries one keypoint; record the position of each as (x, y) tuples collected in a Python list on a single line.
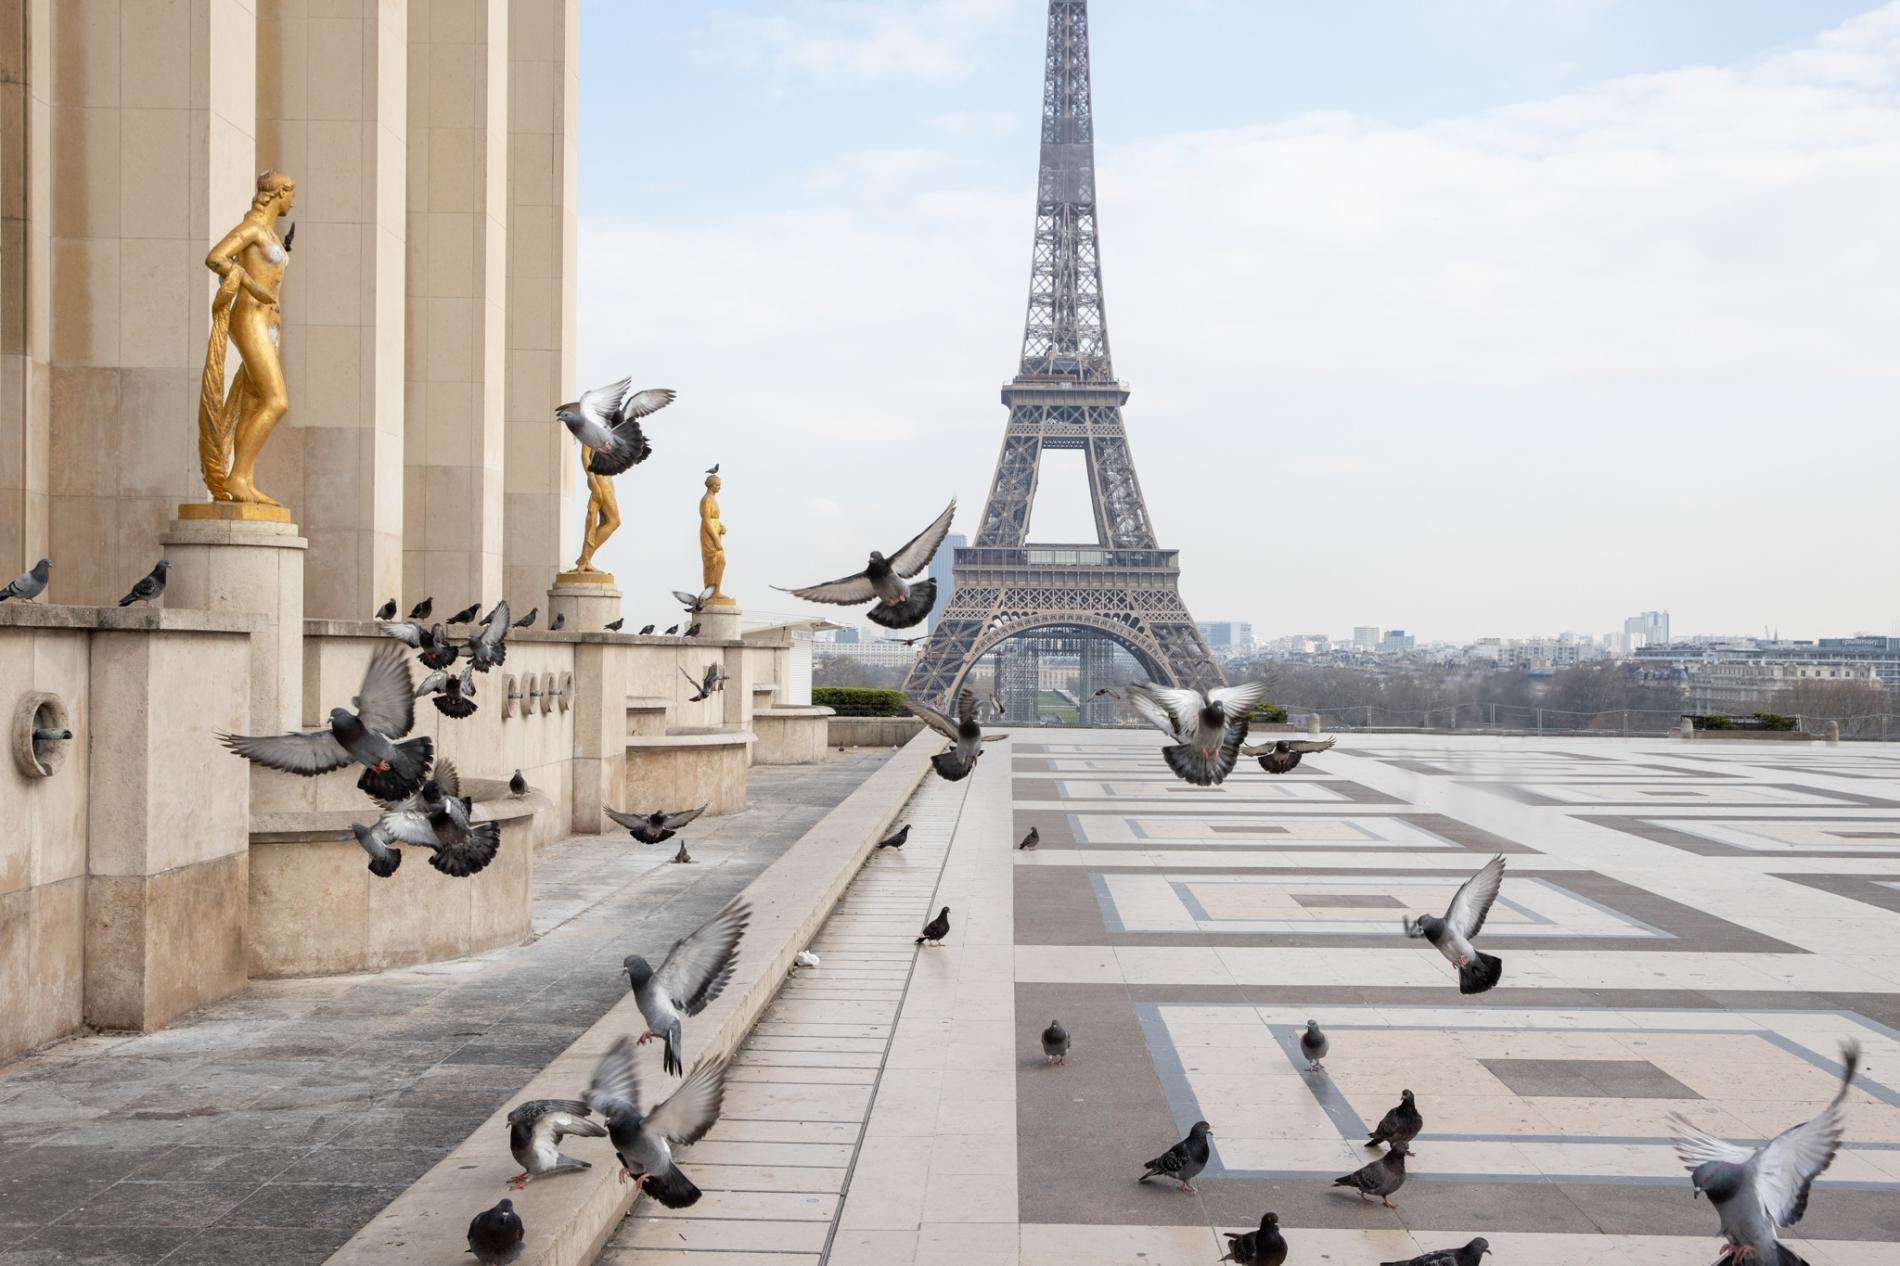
[(603, 513), (712, 543), (233, 426)]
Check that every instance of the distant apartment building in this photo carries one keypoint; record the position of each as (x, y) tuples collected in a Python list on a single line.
[(1365, 637), (1749, 686), (1741, 667), (1396, 642), (1651, 628), (941, 572), (873, 651), (1228, 639)]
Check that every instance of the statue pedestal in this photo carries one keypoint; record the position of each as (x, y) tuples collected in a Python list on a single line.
[(719, 622), (248, 566), (587, 598)]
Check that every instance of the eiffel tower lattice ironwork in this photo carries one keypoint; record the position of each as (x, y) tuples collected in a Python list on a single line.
[(1065, 396)]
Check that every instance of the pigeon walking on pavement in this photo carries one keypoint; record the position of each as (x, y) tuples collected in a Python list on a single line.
[(1262, 1247), (1469, 1254), (644, 1143), (955, 765), (1379, 1178), (371, 736), (29, 584), (149, 588), (936, 929), (1452, 935), (655, 827), (898, 604), (694, 972), (1757, 1191), (1207, 729), (606, 420), (535, 1131), (1030, 840), (1313, 1045), (1399, 1126), (1055, 1043), (1184, 1160), (896, 838), (1283, 755), (495, 1235)]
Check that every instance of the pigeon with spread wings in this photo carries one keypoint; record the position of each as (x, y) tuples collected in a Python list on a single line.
[(1208, 729), (1758, 1190), (955, 765), (1283, 755), (694, 972), (655, 827), (535, 1131), (1452, 935), (436, 818), (898, 605), (645, 1144), (489, 646), (371, 736), (606, 421)]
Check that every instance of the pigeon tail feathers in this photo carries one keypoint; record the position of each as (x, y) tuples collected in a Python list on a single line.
[(404, 776), (384, 867), (950, 766), (457, 706), (1480, 974), (671, 1188)]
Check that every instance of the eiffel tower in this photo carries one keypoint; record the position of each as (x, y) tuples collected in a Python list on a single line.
[(1122, 586)]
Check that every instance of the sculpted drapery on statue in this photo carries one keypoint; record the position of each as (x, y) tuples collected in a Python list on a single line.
[(712, 544), (233, 425)]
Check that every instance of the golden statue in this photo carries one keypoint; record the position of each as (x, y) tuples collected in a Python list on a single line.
[(603, 514), (233, 426), (712, 544)]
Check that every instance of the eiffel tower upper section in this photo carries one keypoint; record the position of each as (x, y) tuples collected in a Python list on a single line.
[(1065, 396)]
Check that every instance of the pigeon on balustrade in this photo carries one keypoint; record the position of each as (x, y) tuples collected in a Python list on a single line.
[(560, 621), (1452, 935), (613, 625), (646, 630), (527, 621), (149, 588), (606, 420), (898, 604), (466, 614), (30, 584), (421, 610), (518, 785), (387, 611), (693, 973), (1184, 1160), (645, 1144)]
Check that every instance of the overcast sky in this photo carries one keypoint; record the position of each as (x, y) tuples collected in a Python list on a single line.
[(1471, 317)]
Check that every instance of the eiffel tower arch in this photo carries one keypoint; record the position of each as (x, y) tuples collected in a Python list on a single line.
[(1065, 395)]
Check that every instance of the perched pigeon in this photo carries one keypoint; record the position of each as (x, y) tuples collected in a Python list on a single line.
[(421, 610), (1208, 729), (1264, 1247), (560, 621), (149, 588), (386, 710), (28, 585), (383, 860), (1030, 840), (387, 611), (535, 1131), (714, 679), (692, 630), (713, 469), (1468, 1255), (898, 605), (1055, 1043), (606, 420), (694, 972), (1184, 1160), (527, 621), (518, 785), (1313, 1045), (495, 1236), (1283, 755), (937, 928), (1756, 1191), (436, 818), (695, 602), (673, 630), (1398, 1127), (613, 626), (1380, 1178), (490, 646), (652, 828), (1452, 935), (896, 838), (955, 765), (453, 693), (645, 630), (645, 1144)]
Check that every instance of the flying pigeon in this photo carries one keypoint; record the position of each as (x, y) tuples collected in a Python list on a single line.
[(436, 818), (645, 629), (652, 828), (1106, 692), (387, 611), (1468, 1255), (1030, 840), (673, 630), (560, 621), (495, 1235), (896, 838), (28, 585), (693, 973), (713, 469), (421, 610), (437, 651), (453, 693), (518, 785), (1313, 1045), (997, 705), (695, 602), (937, 928), (1399, 1126), (905, 641), (1379, 1178), (490, 646), (1283, 755), (1452, 934), (527, 621), (692, 630), (1756, 1191), (385, 711), (715, 679), (645, 1144), (1207, 729), (613, 626), (1055, 1043), (149, 587), (1184, 1160), (535, 1131), (383, 860), (898, 605), (607, 421), (955, 765), (1264, 1247)]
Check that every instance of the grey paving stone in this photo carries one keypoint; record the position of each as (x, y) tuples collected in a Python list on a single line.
[(259, 1246), (311, 1205), (159, 1204), (1587, 1079), (97, 1246)]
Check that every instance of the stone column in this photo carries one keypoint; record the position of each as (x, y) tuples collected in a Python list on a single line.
[(457, 286), (332, 110), (249, 568), (153, 157), (600, 731), (25, 258), (588, 600), (542, 473)]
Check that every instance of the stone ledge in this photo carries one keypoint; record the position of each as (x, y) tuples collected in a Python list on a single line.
[(30, 615), (715, 738), (331, 824), (570, 1218), (373, 628)]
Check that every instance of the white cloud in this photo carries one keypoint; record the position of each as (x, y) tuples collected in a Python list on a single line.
[(854, 41)]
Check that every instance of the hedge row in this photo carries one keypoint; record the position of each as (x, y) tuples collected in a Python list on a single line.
[(860, 701)]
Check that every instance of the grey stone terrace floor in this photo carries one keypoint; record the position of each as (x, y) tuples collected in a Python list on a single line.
[(269, 1127)]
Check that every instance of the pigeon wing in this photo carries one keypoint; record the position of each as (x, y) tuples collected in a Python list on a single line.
[(410, 826), (933, 718), (692, 1110), (1474, 900), (846, 591), (600, 404), (628, 820), (309, 753), (614, 1085), (699, 966), (498, 629), (386, 701), (1239, 700), (674, 821), (1153, 713), (1787, 1166), (921, 548), (1183, 706), (1308, 746), (966, 705), (637, 404), (448, 779)]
